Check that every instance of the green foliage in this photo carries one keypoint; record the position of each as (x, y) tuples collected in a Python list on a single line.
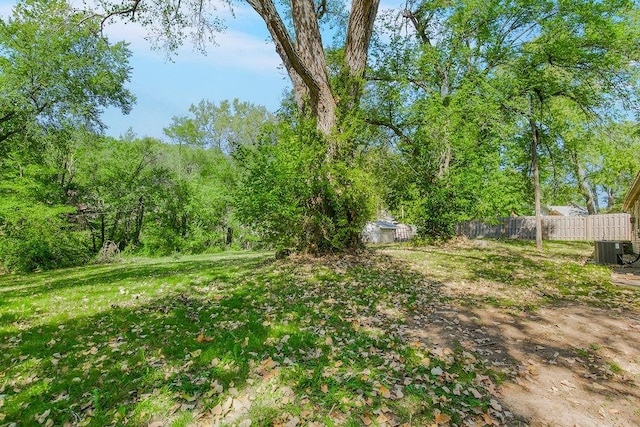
[(39, 237), (154, 198), (57, 73), (296, 198), (34, 234), (56, 70), (225, 127), (453, 98)]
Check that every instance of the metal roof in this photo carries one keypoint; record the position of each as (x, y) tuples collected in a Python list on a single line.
[(386, 224)]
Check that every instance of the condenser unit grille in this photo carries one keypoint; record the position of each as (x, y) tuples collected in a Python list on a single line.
[(609, 252)]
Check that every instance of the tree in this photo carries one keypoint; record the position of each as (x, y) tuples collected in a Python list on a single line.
[(583, 52), (435, 97), (56, 70), (463, 78), (224, 127), (283, 193), (300, 47), (57, 73)]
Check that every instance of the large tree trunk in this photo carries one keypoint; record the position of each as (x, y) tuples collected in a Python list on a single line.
[(304, 57)]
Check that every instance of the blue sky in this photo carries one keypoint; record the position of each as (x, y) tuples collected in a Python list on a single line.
[(243, 65)]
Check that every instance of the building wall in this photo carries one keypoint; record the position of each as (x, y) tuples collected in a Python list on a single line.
[(387, 235)]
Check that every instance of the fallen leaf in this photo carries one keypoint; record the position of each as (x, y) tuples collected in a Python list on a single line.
[(324, 388), (216, 411), (366, 420), (293, 422), (475, 393), (382, 420), (217, 387), (384, 392), (488, 420), (441, 418), (202, 338), (42, 417)]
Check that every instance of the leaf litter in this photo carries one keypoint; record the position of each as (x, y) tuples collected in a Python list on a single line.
[(370, 340)]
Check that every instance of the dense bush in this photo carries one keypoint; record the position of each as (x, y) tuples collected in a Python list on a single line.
[(296, 198), (40, 238)]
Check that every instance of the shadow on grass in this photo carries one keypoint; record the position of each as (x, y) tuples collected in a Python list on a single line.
[(339, 333), (509, 342), (112, 366), (522, 284), (139, 361)]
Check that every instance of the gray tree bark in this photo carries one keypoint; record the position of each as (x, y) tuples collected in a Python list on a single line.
[(304, 57)]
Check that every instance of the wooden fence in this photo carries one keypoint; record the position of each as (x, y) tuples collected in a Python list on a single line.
[(592, 227)]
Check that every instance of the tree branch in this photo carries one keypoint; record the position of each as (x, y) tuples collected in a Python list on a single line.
[(284, 45)]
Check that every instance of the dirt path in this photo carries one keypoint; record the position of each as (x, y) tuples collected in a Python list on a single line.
[(573, 365)]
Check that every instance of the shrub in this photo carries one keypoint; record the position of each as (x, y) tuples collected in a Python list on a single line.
[(39, 237), (296, 198)]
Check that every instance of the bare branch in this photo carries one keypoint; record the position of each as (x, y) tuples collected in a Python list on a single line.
[(420, 29), (321, 10)]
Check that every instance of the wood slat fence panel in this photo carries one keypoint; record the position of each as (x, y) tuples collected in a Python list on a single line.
[(592, 227)]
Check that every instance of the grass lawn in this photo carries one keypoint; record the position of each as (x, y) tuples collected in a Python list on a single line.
[(242, 339)]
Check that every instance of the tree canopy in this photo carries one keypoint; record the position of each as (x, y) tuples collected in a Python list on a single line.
[(57, 70)]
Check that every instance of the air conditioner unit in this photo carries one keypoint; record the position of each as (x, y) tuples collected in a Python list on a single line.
[(609, 252)]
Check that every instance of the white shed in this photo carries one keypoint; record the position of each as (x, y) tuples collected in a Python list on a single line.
[(380, 232)]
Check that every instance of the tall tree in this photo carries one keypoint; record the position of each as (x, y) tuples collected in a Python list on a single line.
[(225, 127), (57, 73), (434, 92), (57, 70), (329, 94), (583, 52), (511, 58), (300, 46)]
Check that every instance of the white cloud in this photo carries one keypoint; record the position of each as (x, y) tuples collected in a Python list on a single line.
[(236, 49), (5, 10), (245, 44)]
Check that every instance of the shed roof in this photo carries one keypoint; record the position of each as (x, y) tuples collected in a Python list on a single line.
[(570, 210), (386, 224), (632, 195)]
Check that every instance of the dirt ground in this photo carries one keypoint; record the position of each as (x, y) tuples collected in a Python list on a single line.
[(569, 365), (626, 276)]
